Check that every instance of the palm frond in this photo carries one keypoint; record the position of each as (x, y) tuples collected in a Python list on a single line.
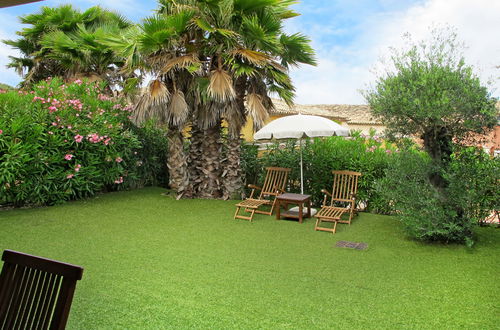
[(178, 110), (209, 113), (257, 110), (153, 102), (252, 56), (296, 49), (221, 86), (181, 62), (234, 117)]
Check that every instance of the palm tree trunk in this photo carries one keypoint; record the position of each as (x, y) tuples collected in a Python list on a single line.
[(195, 158), (211, 185), (177, 164), (233, 179)]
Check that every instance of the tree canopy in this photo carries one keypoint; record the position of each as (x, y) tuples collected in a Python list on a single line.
[(430, 92)]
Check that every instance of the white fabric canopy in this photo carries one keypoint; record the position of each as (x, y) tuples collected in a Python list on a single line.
[(299, 126)]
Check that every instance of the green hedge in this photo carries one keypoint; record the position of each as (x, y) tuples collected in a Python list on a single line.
[(60, 142)]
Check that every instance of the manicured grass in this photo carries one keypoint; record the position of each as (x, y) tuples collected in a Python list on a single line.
[(153, 262)]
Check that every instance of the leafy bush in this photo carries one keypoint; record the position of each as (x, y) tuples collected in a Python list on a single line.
[(370, 156), (61, 142), (472, 193)]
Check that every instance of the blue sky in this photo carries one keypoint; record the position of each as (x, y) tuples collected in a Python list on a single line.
[(351, 38)]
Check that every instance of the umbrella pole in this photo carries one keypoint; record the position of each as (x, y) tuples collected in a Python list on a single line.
[(301, 169)]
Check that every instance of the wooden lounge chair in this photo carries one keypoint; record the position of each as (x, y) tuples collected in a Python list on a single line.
[(35, 293), (342, 200), (274, 185)]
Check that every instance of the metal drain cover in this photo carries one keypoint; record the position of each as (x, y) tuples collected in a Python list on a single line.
[(352, 245)]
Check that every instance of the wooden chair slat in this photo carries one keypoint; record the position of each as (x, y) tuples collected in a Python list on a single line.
[(274, 184), (43, 320), (32, 291), (18, 277), (26, 302), (21, 295), (30, 314)]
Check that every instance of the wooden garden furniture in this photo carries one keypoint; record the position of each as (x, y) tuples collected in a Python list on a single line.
[(274, 184), (289, 198), (35, 293), (342, 200)]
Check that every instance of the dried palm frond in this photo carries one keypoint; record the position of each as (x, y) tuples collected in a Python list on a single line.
[(153, 101), (257, 110), (278, 66), (221, 86), (181, 62), (234, 117), (209, 114), (254, 57), (178, 110)]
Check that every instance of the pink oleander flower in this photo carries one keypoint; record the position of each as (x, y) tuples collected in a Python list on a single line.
[(78, 82), (388, 151), (78, 138), (119, 180), (1, 132), (50, 133), (94, 138), (70, 176), (68, 156), (70, 127), (54, 124), (106, 141), (118, 160), (77, 168)]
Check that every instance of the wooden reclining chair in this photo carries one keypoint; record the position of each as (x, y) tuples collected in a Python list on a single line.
[(342, 200), (274, 185), (35, 293)]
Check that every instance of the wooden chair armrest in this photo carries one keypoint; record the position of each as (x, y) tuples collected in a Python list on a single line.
[(324, 191), (254, 186), (278, 189)]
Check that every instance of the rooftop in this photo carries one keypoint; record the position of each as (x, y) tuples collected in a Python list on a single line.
[(353, 114)]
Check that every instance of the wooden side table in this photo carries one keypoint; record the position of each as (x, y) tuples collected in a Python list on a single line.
[(289, 198)]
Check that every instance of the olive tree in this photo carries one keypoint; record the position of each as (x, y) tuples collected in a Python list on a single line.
[(429, 92)]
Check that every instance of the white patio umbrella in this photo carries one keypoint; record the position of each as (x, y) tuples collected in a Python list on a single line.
[(298, 127)]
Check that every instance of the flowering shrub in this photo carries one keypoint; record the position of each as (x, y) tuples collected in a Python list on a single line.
[(61, 142), (368, 155)]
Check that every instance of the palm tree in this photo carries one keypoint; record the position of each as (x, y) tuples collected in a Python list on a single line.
[(256, 57), (61, 41), (221, 59), (162, 47)]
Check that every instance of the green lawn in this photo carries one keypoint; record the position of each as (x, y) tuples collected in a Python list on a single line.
[(153, 262)]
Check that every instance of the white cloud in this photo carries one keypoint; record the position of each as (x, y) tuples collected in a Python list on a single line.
[(342, 71), (7, 76)]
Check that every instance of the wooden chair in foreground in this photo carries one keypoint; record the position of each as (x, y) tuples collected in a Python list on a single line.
[(342, 200), (35, 293), (274, 185)]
